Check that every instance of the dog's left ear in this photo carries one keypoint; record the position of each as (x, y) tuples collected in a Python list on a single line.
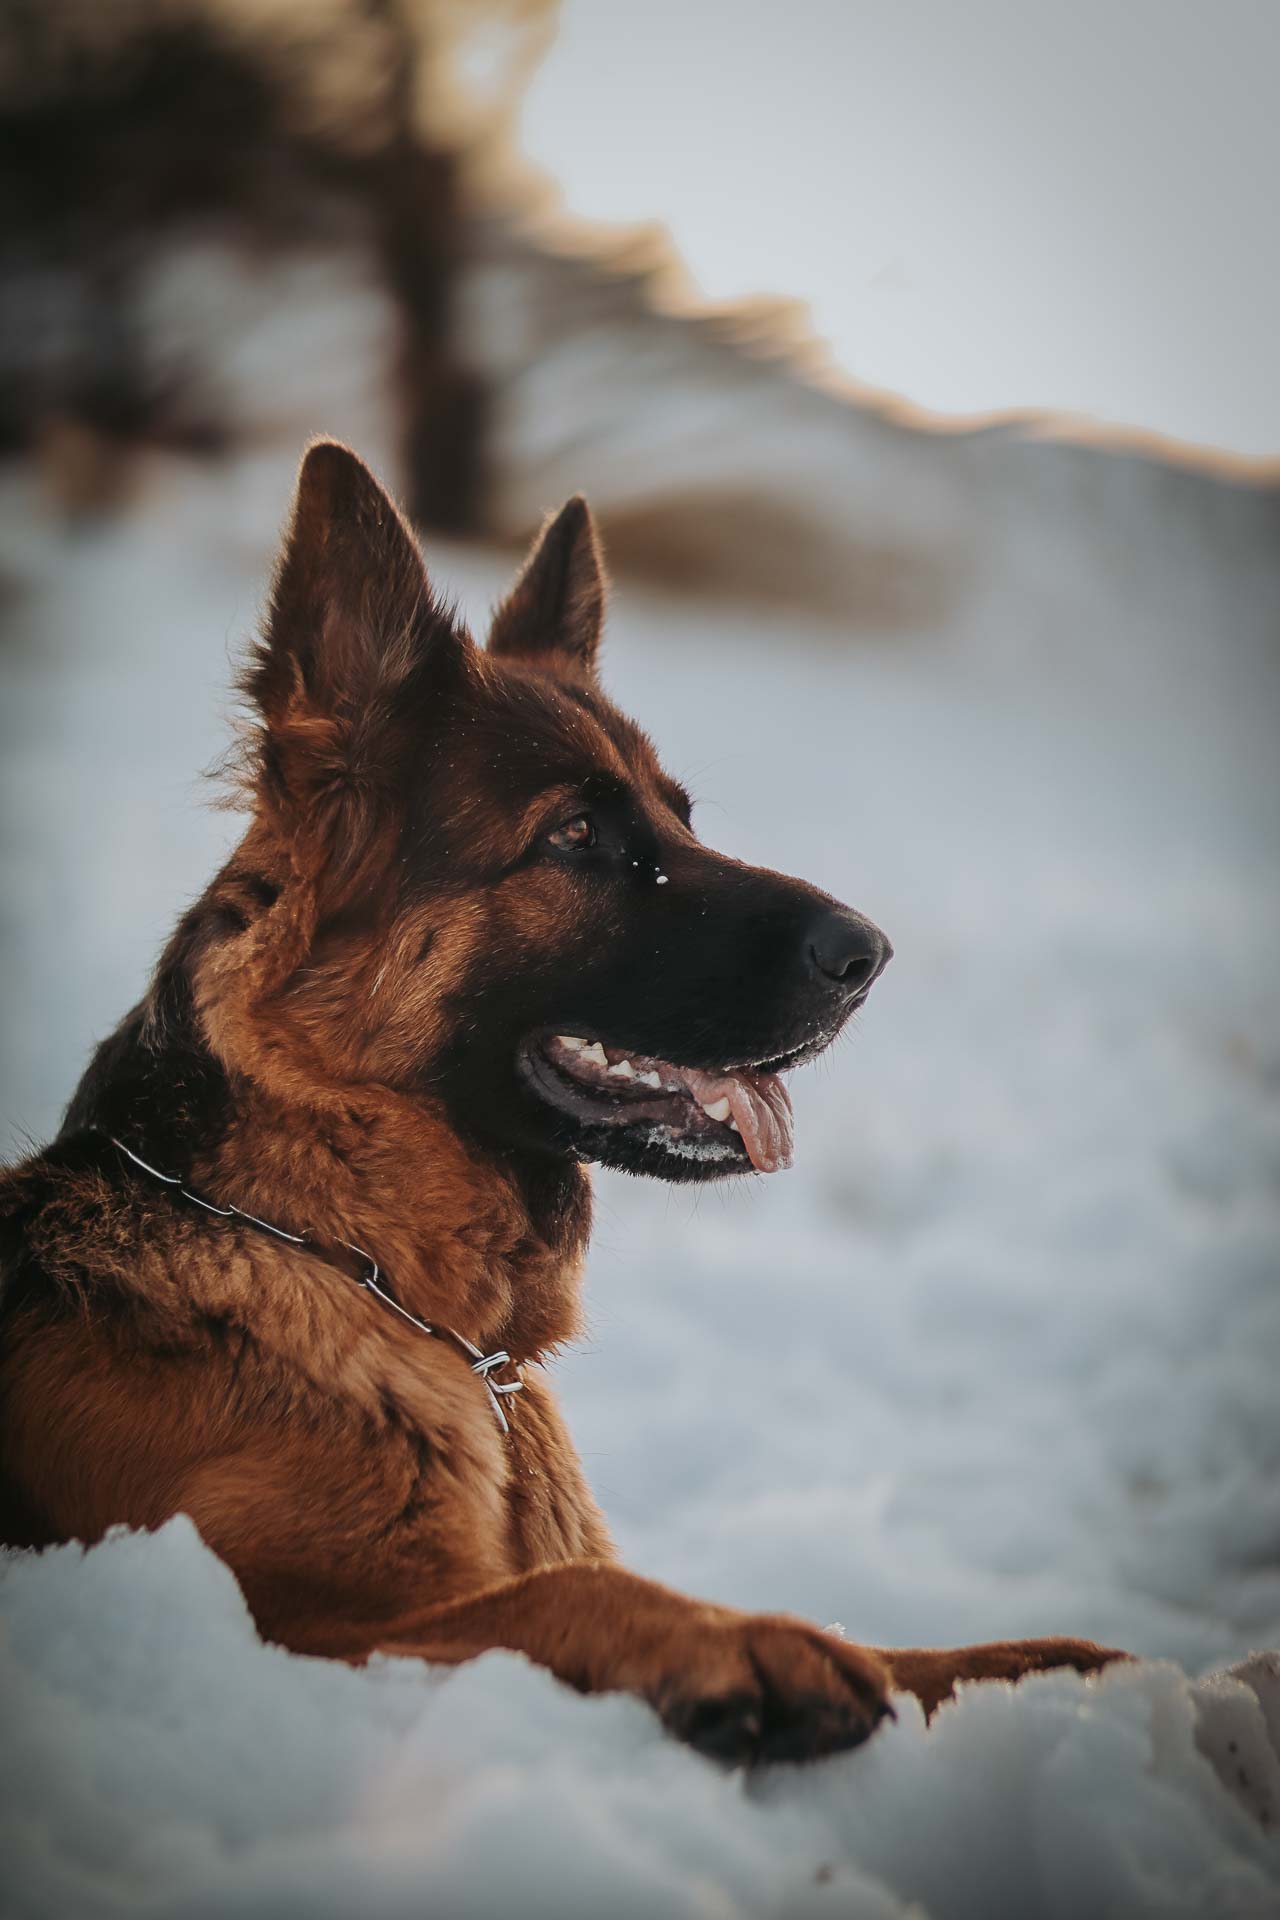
[(554, 614)]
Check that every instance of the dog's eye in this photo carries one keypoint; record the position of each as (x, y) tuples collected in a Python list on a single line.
[(574, 834)]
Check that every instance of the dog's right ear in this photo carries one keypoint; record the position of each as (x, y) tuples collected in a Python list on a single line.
[(354, 643)]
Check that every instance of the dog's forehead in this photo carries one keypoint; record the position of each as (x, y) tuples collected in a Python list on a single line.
[(551, 731)]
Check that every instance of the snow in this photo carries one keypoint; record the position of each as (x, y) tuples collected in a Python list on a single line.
[(996, 1358), (160, 1758)]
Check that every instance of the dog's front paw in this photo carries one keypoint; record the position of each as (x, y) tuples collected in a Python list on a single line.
[(757, 1688)]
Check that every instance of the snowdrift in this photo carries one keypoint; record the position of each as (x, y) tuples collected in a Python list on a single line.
[(160, 1759)]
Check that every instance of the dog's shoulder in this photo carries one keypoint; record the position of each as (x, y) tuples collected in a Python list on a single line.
[(191, 1343)]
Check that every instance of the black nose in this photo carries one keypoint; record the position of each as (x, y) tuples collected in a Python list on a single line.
[(845, 948)]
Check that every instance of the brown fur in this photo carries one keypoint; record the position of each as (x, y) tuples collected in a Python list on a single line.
[(300, 1053)]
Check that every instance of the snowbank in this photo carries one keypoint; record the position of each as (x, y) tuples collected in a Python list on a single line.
[(159, 1758)]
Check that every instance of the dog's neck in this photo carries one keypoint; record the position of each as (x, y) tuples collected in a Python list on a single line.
[(490, 1246), (491, 1249)]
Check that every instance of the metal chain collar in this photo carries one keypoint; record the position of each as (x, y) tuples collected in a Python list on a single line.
[(483, 1365)]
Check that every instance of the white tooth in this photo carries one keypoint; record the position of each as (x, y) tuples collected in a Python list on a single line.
[(649, 1079), (595, 1053), (571, 1041), (718, 1109), (623, 1070), (733, 1123), (662, 879)]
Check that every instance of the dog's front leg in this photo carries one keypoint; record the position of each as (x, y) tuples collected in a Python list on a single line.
[(932, 1673), (742, 1688)]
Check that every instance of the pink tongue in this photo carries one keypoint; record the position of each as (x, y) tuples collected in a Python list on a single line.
[(761, 1106)]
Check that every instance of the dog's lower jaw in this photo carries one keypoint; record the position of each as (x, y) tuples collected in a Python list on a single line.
[(646, 1151), (659, 1154)]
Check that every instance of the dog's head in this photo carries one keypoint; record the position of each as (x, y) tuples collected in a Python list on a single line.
[(512, 913)]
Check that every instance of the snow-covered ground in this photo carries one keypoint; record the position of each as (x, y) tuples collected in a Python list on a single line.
[(998, 1357)]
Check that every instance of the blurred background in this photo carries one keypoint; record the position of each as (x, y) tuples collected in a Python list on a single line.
[(956, 591)]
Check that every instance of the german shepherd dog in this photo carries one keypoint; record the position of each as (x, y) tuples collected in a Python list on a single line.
[(318, 1211)]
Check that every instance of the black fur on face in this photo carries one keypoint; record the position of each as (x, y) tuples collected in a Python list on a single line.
[(640, 938)]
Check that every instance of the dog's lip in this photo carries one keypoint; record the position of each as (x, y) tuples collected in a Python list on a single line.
[(737, 1111), (745, 1123), (672, 1111), (797, 1056), (777, 1063)]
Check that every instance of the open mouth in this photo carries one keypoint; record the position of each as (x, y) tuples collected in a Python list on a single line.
[(738, 1114)]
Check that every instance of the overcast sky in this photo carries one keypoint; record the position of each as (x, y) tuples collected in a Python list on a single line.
[(987, 205)]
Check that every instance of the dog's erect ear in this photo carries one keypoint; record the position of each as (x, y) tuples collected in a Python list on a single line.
[(351, 613), (352, 645), (553, 615)]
